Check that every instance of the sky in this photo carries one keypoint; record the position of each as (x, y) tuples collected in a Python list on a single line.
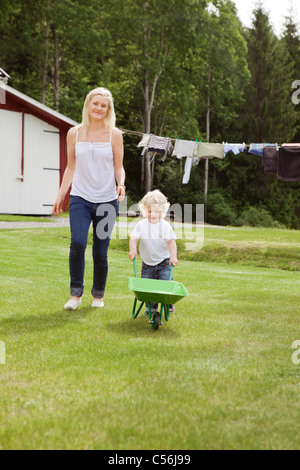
[(277, 10)]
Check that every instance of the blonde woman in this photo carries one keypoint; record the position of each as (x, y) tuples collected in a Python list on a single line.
[(95, 171), (157, 239)]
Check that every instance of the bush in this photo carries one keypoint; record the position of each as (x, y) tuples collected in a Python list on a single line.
[(219, 212), (258, 217)]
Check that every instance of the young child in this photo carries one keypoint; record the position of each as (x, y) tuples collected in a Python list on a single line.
[(157, 246)]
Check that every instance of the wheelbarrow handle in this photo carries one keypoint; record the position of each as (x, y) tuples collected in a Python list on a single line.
[(135, 270), (134, 267)]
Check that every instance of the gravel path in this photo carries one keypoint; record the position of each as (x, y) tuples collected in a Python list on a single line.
[(55, 222), (64, 222)]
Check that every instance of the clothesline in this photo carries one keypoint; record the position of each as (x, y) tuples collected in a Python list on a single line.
[(128, 131), (282, 160)]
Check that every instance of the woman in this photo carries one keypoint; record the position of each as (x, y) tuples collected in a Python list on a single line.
[(95, 165)]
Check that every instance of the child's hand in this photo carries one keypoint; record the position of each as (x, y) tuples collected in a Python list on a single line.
[(132, 255), (173, 261)]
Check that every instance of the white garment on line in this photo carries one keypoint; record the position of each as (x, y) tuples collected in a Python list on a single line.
[(189, 163), (143, 142), (184, 148)]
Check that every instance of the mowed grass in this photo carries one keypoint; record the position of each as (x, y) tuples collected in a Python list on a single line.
[(261, 247), (218, 375)]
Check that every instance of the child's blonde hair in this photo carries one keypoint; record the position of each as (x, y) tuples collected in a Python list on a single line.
[(154, 197)]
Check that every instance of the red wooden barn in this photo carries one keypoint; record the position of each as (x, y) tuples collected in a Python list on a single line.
[(33, 153)]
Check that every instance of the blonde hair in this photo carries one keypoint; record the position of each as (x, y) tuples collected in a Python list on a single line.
[(154, 197), (110, 118)]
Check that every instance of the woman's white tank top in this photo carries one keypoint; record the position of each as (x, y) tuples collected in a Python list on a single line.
[(94, 178)]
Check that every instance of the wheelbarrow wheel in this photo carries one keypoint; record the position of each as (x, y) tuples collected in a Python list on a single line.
[(156, 321)]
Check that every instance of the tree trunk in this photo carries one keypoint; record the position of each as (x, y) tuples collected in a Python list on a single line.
[(149, 90), (208, 111), (148, 179), (45, 67), (56, 71)]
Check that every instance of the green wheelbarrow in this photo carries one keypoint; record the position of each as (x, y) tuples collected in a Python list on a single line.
[(156, 291)]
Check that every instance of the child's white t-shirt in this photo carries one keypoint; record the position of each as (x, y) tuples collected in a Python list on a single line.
[(153, 238)]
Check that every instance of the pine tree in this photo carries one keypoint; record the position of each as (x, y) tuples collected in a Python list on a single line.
[(270, 115), (291, 43)]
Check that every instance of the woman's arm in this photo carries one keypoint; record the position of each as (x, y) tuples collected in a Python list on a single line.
[(118, 151), (68, 174)]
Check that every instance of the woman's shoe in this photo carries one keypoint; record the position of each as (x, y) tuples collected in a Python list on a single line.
[(98, 303), (72, 304)]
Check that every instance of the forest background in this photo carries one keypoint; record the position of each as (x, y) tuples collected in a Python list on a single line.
[(176, 68)]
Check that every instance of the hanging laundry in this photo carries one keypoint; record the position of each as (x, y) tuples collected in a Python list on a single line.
[(189, 163), (289, 163), (161, 145), (184, 148), (143, 142), (207, 150), (270, 159), (234, 148), (257, 149)]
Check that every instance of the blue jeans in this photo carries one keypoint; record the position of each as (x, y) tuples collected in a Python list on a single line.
[(159, 271), (103, 216)]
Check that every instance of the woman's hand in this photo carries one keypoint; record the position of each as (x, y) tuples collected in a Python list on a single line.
[(121, 191), (57, 208)]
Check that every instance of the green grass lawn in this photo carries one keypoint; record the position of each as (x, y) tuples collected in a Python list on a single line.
[(218, 375)]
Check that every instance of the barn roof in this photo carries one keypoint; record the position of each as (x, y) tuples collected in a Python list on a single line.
[(3, 74), (38, 109)]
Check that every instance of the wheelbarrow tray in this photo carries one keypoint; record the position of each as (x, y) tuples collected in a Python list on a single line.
[(157, 291)]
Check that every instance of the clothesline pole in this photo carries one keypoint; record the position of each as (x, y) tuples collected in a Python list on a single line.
[(206, 160), (205, 188), (147, 173)]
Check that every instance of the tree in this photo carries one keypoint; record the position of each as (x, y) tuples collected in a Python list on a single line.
[(75, 42), (21, 47), (291, 44), (148, 49), (54, 50), (221, 74), (270, 115)]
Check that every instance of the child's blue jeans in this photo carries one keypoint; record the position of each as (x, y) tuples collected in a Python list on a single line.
[(160, 271), (103, 216)]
